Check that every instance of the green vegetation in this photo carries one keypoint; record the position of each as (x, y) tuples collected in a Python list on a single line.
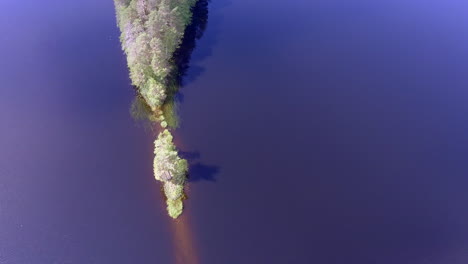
[(151, 32)]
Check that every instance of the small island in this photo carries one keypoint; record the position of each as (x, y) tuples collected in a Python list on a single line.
[(171, 170), (151, 32)]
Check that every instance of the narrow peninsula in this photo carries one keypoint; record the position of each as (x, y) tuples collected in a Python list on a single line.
[(151, 32)]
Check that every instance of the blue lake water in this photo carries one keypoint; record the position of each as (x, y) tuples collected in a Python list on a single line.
[(323, 132)]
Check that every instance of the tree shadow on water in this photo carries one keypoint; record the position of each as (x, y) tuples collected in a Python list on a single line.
[(202, 172), (193, 33), (186, 61), (197, 170), (181, 61)]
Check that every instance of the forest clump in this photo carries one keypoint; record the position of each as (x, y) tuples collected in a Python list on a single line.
[(151, 32)]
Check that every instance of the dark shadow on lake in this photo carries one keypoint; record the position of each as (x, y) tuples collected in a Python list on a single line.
[(190, 156), (202, 172), (197, 170), (188, 70)]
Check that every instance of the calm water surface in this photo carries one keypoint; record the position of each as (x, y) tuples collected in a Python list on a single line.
[(76, 181), (323, 132)]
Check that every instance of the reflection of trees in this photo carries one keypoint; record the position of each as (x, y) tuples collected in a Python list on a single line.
[(141, 112)]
